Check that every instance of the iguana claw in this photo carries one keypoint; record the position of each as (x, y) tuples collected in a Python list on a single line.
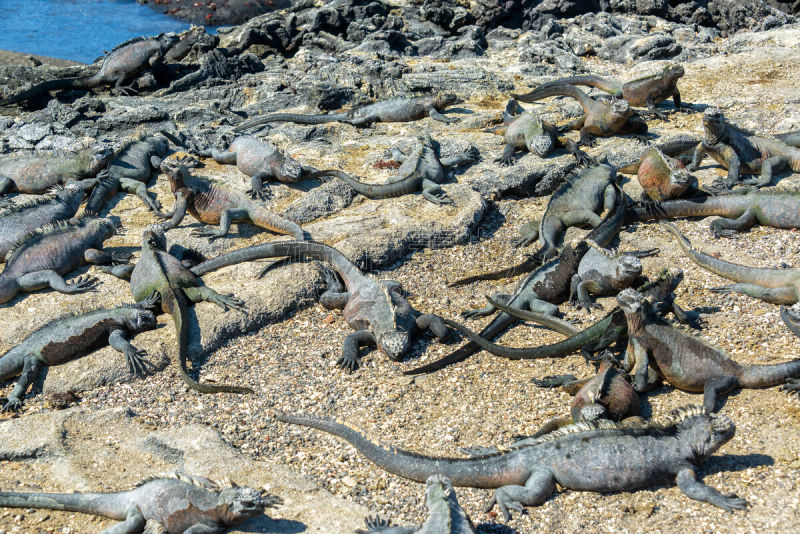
[(12, 405), (504, 503), (136, 362), (348, 363), (791, 386)]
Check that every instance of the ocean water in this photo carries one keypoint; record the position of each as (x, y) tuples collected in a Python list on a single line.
[(79, 30)]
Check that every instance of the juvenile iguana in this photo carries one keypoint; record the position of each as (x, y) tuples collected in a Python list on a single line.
[(44, 256), (159, 272), (183, 504), (645, 91), (685, 361), (588, 456), (394, 110), (376, 310), (212, 202), (742, 152), (37, 174), (67, 339), (420, 170)]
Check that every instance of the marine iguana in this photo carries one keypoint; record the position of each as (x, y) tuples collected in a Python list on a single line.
[(67, 339), (183, 504), (37, 174), (22, 218), (742, 152), (122, 63), (445, 515), (662, 177), (130, 171), (645, 91), (376, 310), (601, 456), (791, 318), (159, 272), (394, 110), (600, 118), (41, 258), (212, 202), (420, 170), (686, 361), (576, 202)]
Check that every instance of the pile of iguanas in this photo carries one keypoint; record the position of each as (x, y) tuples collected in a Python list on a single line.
[(602, 445)]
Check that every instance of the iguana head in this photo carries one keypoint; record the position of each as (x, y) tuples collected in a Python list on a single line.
[(630, 300), (628, 267), (242, 504), (393, 332), (105, 227), (98, 158), (673, 72), (437, 488), (714, 125), (153, 237), (290, 170), (159, 144), (142, 320), (168, 40), (70, 195), (541, 145), (621, 107), (701, 434), (445, 99)]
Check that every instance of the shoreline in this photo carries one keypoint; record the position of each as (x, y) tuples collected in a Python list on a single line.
[(7, 57)]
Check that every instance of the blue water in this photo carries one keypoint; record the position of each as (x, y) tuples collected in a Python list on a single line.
[(79, 30)]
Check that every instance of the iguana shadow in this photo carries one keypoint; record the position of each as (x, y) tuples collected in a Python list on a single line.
[(264, 523)]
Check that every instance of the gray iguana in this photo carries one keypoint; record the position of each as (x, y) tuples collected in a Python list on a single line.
[(37, 173)]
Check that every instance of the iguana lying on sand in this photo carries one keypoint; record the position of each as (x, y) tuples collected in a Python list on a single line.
[(122, 63), (43, 257), (37, 174), (394, 110), (645, 91), (213, 202), (67, 339), (588, 456), (184, 504), (376, 310), (742, 152), (420, 170), (686, 361)]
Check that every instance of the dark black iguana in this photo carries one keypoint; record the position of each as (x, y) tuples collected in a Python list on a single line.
[(742, 152), (599, 456), (67, 339), (159, 272), (213, 202), (376, 310), (685, 361), (420, 170), (645, 91), (394, 110), (37, 173), (121, 64), (43, 257), (576, 202), (22, 218), (129, 171), (180, 504)]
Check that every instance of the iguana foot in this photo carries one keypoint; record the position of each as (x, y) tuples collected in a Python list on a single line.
[(12, 405), (729, 502), (791, 386), (348, 363), (206, 232), (641, 138), (260, 194), (127, 90), (723, 232), (553, 381), (584, 159), (504, 503), (471, 314), (120, 257), (153, 204), (137, 365), (228, 301), (505, 161), (81, 284), (588, 305), (375, 523)]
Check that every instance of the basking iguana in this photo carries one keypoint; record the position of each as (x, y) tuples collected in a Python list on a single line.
[(420, 170), (22, 218), (67, 339), (212, 202), (445, 515), (742, 152), (645, 91), (44, 256), (376, 310), (394, 110), (37, 174), (129, 171), (159, 272), (182, 504), (685, 361), (122, 63), (661, 176), (601, 456)]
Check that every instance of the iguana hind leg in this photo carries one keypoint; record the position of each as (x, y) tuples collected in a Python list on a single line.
[(715, 387), (768, 166), (528, 233), (134, 523), (225, 220), (540, 485), (433, 192), (204, 293), (140, 190), (434, 323), (729, 227), (41, 279), (30, 370), (220, 156), (694, 489)]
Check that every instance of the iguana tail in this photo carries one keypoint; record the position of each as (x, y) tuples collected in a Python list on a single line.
[(609, 86), (396, 189), (762, 376), (532, 262), (50, 85), (555, 89), (102, 504), (292, 117)]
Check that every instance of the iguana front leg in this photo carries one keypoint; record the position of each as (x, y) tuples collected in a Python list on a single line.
[(507, 157), (349, 360), (134, 523), (396, 154), (204, 293), (686, 478), (467, 157), (30, 370), (257, 188), (579, 218), (768, 166), (436, 115), (101, 257), (42, 279), (178, 212), (434, 193), (733, 162), (773, 295), (651, 106), (434, 323), (676, 98), (528, 233), (540, 485), (637, 360), (729, 227), (135, 357), (225, 219), (140, 190)]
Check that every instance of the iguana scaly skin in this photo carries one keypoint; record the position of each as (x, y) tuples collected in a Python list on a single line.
[(420, 170), (22, 218), (445, 515), (600, 118), (122, 63), (776, 286), (395, 110), (585, 457), (185, 504), (37, 174), (129, 171), (159, 272), (43, 257), (662, 177), (686, 361), (576, 202), (212, 202), (645, 91), (376, 310), (742, 152), (65, 340)]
